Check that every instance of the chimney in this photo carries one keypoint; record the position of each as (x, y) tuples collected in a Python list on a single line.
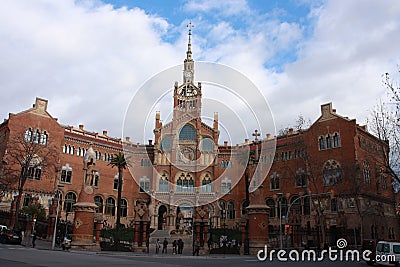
[(105, 132), (268, 135), (158, 123), (334, 110), (215, 125), (246, 140), (225, 143), (81, 127), (290, 131), (150, 142), (127, 139)]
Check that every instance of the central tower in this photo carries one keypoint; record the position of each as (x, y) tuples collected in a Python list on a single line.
[(187, 96)]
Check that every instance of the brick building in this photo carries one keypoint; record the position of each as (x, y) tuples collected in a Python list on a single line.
[(176, 189)]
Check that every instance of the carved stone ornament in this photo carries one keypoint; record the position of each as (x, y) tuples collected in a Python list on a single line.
[(202, 213), (141, 212), (78, 223), (262, 225), (88, 190)]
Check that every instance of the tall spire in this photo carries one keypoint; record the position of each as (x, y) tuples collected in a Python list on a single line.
[(189, 50)]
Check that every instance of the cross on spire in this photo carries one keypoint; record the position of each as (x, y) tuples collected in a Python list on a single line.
[(256, 134), (189, 51)]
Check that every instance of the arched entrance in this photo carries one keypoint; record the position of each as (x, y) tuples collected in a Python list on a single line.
[(184, 218), (162, 218)]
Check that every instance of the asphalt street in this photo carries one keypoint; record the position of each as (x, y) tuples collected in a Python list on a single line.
[(41, 255)]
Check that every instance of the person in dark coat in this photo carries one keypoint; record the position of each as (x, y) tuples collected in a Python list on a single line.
[(33, 239), (174, 247), (165, 245)]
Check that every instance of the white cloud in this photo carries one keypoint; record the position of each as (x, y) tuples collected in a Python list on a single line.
[(88, 58), (223, 8), (353, 44)]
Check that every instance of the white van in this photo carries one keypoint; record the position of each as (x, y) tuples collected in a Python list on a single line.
[(388, 253)]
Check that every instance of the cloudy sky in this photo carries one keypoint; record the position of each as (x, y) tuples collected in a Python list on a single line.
[(89, 57)]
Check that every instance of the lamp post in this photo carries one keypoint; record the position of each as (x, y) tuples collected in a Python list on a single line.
[(280, 219), (56, 220)]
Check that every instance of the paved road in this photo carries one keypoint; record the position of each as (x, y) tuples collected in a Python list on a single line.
[(12, 255)]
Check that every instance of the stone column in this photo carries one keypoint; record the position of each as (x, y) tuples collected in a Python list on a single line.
[(258, 222), (85, 208)]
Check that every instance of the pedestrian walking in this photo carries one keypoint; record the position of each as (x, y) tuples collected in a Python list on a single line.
[(158, 245), (174, 244), (165, 245), (33, 239), (180, 245), (196, 248)]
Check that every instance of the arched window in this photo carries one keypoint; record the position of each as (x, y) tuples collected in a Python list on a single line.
[(245, 204), (301, 178), (336, 140), (185, 183), (272, 209), (43, 138), (334, 205), (144, 183), (166, 143), (226, 186), (36, 137), (321, 143), (66, 174), (207, 144), (110, 207), (284, 206), (28, 135), (366, 172), (332, 173), (96, 179), (307, 206), (187, 133), (222, 206), (231, 210), (70, 200), (274, 181), (328, 141), (98, 200), (124, 208), (163, 184), (206, 184)]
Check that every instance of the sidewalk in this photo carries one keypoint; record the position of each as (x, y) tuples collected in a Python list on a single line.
[(46, 245)]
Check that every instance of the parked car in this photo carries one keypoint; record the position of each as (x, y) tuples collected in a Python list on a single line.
[(2, 227), (388, 252), (10, 237)]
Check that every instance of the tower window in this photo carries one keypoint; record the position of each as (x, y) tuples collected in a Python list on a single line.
[(66, 174), (321, 142), (187, 133)]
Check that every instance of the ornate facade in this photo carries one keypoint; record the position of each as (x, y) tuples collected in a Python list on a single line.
[(327, 181)]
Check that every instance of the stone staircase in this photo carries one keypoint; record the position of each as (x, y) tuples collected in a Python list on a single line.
[(162, 234)]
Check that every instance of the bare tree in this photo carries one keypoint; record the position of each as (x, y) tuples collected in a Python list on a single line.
[(384, 123), (27, 157)]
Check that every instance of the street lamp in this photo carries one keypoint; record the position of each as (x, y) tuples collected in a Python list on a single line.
[(280, 219), (56, 220)]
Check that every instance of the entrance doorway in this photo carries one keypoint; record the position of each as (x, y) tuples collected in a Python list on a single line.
[(162, 217), (184, 218)]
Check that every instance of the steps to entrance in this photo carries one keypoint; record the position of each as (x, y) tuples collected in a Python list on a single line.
[(161, 234)]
